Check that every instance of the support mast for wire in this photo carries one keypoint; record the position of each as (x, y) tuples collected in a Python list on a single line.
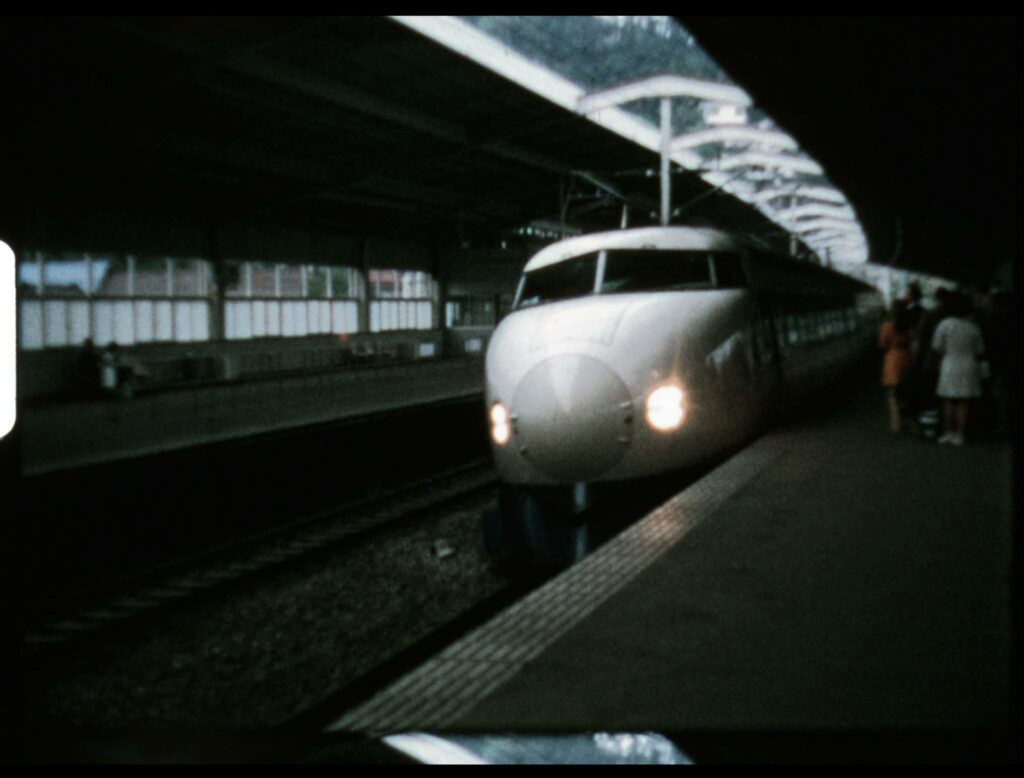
[(664, 88)]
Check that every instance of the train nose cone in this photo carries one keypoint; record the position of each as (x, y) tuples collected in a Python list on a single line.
[(573, 417)]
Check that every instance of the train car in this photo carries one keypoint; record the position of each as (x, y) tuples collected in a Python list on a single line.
[(640, 352)]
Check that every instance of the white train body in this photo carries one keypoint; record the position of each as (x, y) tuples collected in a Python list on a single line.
[(732, 331)]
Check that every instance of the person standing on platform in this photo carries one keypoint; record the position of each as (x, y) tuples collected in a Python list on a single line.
[(915, 308), (960, 343), (895, 339), (914, 392)]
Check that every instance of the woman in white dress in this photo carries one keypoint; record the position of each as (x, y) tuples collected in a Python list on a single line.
[(959, 341)]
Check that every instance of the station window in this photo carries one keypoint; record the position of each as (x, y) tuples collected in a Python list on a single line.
[(292, 280), (190, 278), (399, 284), (384, 283), (267, 300), (317, 281), (65, 277), (263, 280), (136, 299), (66, 298), (400, 299), (145, 276), (346, 282)]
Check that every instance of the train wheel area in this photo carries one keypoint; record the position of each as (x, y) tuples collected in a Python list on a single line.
[(829, 579)]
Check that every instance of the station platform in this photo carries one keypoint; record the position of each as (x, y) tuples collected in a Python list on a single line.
[(832, 577), (64, 435)]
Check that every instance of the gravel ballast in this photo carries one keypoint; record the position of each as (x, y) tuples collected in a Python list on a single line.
[(263, 653)]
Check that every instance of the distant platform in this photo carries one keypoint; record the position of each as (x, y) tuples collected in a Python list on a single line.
[(58, 436)]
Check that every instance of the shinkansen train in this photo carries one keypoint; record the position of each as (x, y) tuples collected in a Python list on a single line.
[(641, 352)]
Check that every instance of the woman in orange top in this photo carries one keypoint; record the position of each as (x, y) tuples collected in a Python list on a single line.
[(895, 339)]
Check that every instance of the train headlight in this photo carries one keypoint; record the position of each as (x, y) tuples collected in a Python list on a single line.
[(501, 429), (664, 408)]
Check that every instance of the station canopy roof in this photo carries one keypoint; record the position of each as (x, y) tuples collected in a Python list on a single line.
[(366, 125), (718, 133), (899, 135)]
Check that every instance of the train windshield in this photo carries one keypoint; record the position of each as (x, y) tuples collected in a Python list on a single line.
[(645, 270), (632, 270), (561, 281)]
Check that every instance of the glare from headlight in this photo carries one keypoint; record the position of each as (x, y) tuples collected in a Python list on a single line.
[(665, 410), (501, 431), (499, 414)]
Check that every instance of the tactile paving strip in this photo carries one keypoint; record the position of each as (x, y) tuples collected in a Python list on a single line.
[(447, 686)]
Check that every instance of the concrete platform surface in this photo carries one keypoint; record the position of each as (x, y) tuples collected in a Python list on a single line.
[(830, 577)]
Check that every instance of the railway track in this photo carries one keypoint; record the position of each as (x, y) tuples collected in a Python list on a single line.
[(187, 581)]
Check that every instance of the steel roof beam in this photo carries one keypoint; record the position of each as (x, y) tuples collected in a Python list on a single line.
[(663, 86), (823, 193), (759, 159), (822, 234), (469, 42), (816, 209), (828, 223), (727, 134)]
